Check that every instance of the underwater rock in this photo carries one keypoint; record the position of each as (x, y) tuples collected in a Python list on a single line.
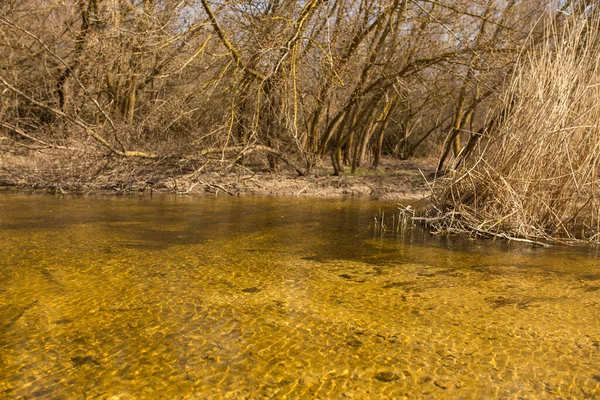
[(386, 376), (78, 361)]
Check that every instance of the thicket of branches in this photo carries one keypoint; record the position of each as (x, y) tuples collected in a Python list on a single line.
[(537, 174), (299, 81)]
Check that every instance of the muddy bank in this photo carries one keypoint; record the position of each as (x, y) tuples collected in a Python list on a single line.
[(81, 173)]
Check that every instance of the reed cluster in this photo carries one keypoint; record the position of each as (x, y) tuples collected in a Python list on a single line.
[(534, 174)]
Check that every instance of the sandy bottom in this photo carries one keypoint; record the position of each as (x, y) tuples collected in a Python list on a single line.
[(255, 298)]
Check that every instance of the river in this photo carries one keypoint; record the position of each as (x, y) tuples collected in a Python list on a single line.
[(250, 298)]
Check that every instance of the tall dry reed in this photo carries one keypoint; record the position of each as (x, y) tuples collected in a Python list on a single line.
[(536, 174)]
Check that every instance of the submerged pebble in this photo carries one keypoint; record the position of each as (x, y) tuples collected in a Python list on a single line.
[(386, 376), (78, 361)]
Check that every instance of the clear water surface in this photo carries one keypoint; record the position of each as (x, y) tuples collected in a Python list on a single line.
[(250, 298)]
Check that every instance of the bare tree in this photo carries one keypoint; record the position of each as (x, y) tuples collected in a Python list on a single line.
[(295, 81)]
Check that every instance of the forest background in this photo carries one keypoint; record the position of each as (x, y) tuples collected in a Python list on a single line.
[(90, 88)]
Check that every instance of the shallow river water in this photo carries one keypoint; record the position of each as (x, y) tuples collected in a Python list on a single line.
[(177, 298)]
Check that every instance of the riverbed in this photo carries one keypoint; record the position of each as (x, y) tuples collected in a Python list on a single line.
[(264, 297)]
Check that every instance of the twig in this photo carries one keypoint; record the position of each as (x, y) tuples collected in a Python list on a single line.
[(509, 238), (19, 132), (435, 219), (249, 149), (303, 189), (192, 186), (214, 185), (79, 123), (62, 61), (426, 181)]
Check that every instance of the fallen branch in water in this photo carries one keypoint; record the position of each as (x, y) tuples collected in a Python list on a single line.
[(511, 238), (449, 223)]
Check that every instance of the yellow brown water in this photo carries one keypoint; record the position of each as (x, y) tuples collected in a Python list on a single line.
[(281, 298)]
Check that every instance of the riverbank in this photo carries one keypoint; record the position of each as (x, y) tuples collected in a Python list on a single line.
[(73, 172)]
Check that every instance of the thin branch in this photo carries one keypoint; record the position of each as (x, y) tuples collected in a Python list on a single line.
[(79, 123), (20, 132), (235, 54), (63, 62)]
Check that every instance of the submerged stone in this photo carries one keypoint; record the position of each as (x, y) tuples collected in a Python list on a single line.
[(386, 376), (78, 361)]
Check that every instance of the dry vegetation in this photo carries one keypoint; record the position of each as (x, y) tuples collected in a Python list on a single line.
[(536, 175), (296, 82), (128, 93)]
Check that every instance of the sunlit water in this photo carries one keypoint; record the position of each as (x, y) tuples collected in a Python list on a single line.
[(129, 298)]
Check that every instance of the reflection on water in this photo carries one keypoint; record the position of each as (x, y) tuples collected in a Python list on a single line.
[(273, 298)]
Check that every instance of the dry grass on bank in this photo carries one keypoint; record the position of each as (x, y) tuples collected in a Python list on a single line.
[(536, 175), (85, 171), (57, 170)]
